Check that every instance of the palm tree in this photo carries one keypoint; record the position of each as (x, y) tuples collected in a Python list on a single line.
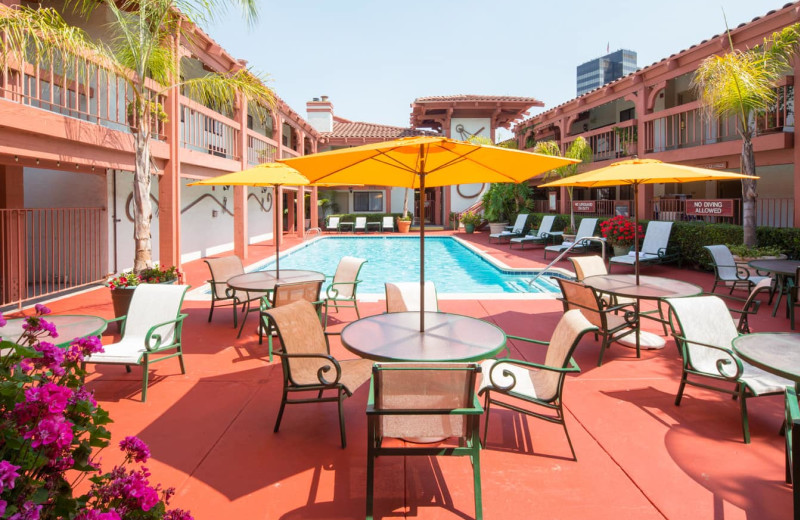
[(145, 47), (578, 149), (740, 85)]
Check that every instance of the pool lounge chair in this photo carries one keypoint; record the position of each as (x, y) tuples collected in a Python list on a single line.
[(333, 224), (361, 224), (387, 224), (540, 236), (726, 272), (585, 230), (517, 230), (654, 246)]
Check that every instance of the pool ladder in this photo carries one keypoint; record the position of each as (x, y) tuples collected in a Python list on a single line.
[(312, 233), (602, 242)]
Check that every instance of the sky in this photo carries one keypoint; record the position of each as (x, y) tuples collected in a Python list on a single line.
[(374, 57)]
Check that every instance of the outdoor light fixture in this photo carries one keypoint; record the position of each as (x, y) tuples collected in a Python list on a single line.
[(16, 158), (58, 163), (37, 162)]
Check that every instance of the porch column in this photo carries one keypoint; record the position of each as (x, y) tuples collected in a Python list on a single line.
[(12, 190), (169, 186), (290, 207), (240, 231), (387, 204), (278, 206), (645, 208), (796, 156), (13, 267), (563, 202), (301, 211)]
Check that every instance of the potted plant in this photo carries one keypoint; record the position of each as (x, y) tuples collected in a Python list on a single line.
[(403, 223), (743, 254), (503, 201), (627, 139), (470, 219), (123, 285), (619, 232)]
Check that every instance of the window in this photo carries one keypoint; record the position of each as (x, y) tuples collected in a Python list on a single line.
[(368, 201)]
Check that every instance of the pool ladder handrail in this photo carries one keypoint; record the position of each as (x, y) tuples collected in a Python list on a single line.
[(307, 235), (601, 240)]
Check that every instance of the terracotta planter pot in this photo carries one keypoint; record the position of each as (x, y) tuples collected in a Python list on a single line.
[(403, 226), (497, 227)]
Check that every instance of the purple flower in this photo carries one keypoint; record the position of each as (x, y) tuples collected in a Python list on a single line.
[(29, 511), (48, 327), (8, 476), (2, 324), (52, 357), (88, 345), (178, 514), (98, 515), (41, 309), (3, 505), (53, 430), (52, 396), (135, 449)]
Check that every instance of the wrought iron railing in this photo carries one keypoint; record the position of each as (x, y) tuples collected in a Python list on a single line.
[(45, 251)]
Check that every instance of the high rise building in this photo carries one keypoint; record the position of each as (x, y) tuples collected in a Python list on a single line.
[(605, 69)]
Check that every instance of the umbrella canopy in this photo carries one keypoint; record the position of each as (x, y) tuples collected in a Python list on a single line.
[(420, 162), (642, 171), (267, 174)]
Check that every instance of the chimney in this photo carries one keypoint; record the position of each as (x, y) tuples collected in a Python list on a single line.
[(319, 113)]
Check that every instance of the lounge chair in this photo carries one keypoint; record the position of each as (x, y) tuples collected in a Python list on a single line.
[(540, 236), (585, 230), (387, 224), (404, 296), (333, 224), (151, 331), (726, 272), (373, 225), (654, 246), (361, 225), (517, 230), (222, 269), (342, 290), (307, 363), (533, 383), (704, 332), (424, 400)]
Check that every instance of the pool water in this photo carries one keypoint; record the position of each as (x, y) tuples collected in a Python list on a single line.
[(454, 268)]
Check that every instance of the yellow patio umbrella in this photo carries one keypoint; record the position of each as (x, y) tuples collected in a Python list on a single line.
[(420, 162), (642, 171), (267, 174)]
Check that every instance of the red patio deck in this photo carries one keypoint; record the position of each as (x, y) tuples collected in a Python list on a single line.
[(639, 455)]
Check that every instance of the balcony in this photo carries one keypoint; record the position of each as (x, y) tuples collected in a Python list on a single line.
[(608, 142)]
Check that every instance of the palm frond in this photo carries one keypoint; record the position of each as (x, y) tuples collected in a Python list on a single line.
[(219, 90), (553, 149)]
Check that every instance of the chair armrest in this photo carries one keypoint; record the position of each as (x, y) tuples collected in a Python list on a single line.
[(118, 318), (720, 362), (322, 369), (151, 335), (529, 340), (332, 292)]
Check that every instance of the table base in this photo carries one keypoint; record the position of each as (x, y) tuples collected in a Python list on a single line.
[(647, 341)]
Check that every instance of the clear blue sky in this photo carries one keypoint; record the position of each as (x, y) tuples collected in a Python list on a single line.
[(374, 57)]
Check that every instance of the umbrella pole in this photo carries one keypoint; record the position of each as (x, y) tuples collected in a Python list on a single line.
[(275, 232), (636, 229), (422, 249)]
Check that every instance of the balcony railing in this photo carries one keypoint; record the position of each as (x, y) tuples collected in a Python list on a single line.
[(85, 91), (769, 212), (260, 149), (49, 250), (204, 130), (609, 142)]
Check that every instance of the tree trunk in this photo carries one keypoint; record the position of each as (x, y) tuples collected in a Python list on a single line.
[(749, 193), (405, 204), (571, 210), (142, 209)]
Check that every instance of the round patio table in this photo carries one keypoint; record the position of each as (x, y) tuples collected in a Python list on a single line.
[(653, 288), (265, 281), (777, 353), (447, 337), (782, 269), (68, 326)]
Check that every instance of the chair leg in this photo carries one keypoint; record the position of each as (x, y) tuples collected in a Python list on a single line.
[(743, 408), (566, 432), (661, 314), (341, 418), (370, 466), (680, 389), (280, 410), (128, 369), (355, 304), (180, 360), (486, 406), (714, 287), (476, 481), (211, 310), (145, 376), (603, 346)]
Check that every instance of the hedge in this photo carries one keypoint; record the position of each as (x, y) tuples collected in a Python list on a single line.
[(690, 237)]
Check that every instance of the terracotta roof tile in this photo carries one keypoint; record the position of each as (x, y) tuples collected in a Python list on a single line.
[(344, 128), (472, 97)]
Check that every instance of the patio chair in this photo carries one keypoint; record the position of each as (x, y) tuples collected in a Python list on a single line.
[(540, 236), (534, 383), (580, 244), (424, 400), (333, 224), (361, 225), (151, 331), (342, 290), (307, 364), (791, 414), (223, 269), (654, 247), (387, 224), (284, 294), (704, 332), (610, 326), (594, 265), (404, 296), (727, 272), (517, 230), (750, 305)]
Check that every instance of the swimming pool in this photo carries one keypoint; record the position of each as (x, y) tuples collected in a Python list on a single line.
[(453, 267)]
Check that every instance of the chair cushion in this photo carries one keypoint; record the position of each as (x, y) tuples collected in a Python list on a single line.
[(128, 351), (761, 382)]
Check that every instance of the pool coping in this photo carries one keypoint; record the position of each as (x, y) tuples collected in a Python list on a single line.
[(202, 293)]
